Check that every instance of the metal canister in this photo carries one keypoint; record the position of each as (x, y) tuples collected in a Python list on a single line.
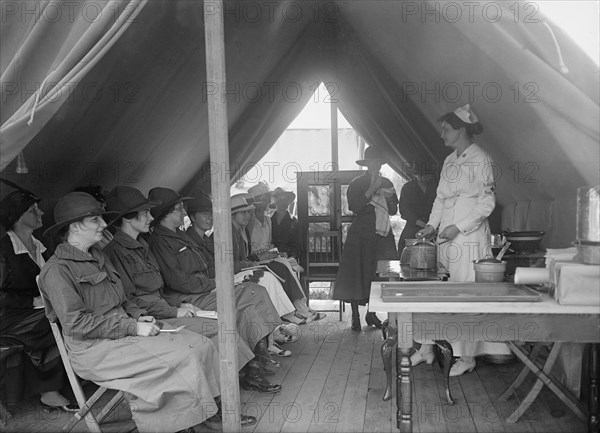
[(588, 214)]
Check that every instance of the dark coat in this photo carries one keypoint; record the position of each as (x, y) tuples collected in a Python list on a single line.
[(414, 205), (286, 235), (363, 246)]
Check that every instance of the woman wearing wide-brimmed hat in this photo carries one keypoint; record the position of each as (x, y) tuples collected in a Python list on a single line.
[(141, 278), (185, 273), (170, 380), (370, 238), (23, 321)]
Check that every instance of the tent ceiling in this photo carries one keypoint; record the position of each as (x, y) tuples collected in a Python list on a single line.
[(139, 115)]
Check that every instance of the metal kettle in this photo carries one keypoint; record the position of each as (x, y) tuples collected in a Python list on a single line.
[(421, 255)]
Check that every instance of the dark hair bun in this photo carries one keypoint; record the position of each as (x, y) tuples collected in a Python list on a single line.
[(475, 128)]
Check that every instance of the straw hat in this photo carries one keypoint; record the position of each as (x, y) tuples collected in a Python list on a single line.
[(240, 204), (74, 207), (260, 189)]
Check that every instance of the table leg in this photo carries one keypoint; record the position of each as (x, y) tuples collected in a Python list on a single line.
[(445, 359), (593, 421), (391, 339), (404, 373), (543, 379), (522, 375)]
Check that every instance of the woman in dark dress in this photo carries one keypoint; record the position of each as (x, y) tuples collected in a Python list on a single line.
[(370, 238), (22, 317), (416, 200)]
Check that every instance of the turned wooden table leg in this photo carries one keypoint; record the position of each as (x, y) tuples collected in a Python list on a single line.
[(391, 340), (444, 355), (404, 373), (593, 421)]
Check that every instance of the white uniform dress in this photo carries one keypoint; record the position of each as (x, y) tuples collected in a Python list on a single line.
[(466, 197)]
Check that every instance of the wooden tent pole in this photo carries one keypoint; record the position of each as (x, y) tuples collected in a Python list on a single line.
[(219, 156)]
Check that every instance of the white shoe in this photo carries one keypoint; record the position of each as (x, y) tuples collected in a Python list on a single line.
[(419, 357), (461, 366)]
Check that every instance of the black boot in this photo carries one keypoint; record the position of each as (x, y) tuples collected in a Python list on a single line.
[(254, 381), (263, 355), (373, 320), (215, 422)]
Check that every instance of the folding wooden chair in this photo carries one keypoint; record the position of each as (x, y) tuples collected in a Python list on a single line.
[(85, 405), (324, 250)]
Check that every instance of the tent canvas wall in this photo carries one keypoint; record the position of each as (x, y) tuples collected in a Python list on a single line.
[(115, 92)]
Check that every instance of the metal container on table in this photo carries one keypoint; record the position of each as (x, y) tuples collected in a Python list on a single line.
[(588, 224)]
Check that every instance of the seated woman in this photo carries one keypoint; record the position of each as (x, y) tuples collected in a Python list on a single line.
[(143, 284), (171, 381), (184, 271), (23, 321), (266, 233), (289, 289)]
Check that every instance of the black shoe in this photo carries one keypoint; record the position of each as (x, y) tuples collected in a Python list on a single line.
[(259, 368), (356, 324), (256, 382), (215, 422), (373, 320)]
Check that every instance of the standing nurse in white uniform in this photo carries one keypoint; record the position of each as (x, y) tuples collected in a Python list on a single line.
[(465, 199)]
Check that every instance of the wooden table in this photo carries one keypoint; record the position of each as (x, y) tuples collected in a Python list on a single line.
[(545, 321)]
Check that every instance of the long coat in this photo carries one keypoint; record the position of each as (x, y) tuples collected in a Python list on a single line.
[(21, 324), (143, 285), (184, 271), (170, 380), (363, 246)]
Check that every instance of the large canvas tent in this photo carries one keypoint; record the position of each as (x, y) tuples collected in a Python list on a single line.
[(115, 92)]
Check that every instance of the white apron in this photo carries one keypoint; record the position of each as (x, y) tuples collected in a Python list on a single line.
[(465, 198)]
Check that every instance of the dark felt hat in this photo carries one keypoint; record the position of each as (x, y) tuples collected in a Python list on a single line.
[(202, 203), (73, 207), (125, 199), (167, 199), (280, 192), (14, 202), (372, 153)]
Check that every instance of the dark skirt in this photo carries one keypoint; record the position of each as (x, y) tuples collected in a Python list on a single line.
[(40, 369), (362, 250)]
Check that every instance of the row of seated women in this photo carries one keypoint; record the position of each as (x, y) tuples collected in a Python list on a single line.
[(113, 304)]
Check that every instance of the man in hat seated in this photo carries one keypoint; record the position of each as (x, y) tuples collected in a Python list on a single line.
[(185, 274), (143, 283)]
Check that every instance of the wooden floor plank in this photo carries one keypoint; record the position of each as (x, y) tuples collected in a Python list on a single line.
[(306, 405), (427, 406), (332, 394), (482, 410), (495, 386), (352, 410), (459, 416), (276, 408), (378, 414)]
